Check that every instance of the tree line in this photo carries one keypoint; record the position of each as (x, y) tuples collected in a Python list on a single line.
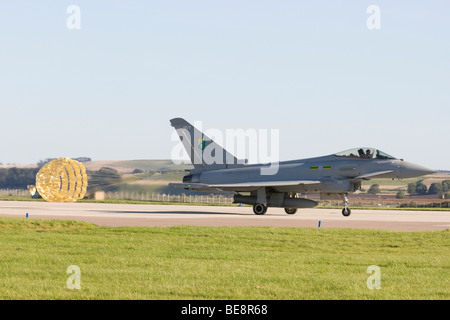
[(105, 179), (419, 188), (17, 178), (436, 188)]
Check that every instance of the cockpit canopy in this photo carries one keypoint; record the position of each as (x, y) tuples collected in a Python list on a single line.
[(364, 153)]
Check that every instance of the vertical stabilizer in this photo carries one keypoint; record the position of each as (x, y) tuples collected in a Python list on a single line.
[(203, 152)]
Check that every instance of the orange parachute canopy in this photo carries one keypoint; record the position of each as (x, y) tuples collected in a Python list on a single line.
[(62, 180)]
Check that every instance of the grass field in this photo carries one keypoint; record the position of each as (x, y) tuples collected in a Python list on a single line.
[(218, 262)]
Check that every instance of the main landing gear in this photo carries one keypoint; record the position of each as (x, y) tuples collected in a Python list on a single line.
[(290, 210), (259, 209)]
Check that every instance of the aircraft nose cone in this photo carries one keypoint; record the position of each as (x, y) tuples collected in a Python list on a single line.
[(411, 170)]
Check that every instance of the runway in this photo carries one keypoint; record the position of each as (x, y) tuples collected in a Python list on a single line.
[(115, 215)]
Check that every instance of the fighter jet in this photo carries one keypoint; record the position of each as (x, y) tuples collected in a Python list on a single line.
[(334, 176)]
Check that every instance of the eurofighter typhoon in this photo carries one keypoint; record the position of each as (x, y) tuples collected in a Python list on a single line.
[(334, 176)]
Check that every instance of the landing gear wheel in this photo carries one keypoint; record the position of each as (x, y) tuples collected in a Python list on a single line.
[(346, 212), (259, 209), (290, 210)]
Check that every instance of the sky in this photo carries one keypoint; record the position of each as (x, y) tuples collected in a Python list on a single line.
[(328, 75)]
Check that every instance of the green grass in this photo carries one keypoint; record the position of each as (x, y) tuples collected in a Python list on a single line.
[(390, 182), (218, 262)]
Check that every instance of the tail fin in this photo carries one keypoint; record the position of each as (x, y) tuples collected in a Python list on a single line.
[(204, 152)]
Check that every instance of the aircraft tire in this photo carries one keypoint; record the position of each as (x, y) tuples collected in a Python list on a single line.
[(259, 209), (290, 210), (346, 212)]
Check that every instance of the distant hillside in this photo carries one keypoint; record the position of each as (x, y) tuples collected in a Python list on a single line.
[(128, 166), (123, 166)]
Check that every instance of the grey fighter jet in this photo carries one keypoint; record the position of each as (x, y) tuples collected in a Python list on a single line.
[(333, 176)]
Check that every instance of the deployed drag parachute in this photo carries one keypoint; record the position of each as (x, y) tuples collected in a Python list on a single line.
[(62, 180)]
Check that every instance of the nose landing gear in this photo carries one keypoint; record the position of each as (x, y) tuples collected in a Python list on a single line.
[(346, 211)]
